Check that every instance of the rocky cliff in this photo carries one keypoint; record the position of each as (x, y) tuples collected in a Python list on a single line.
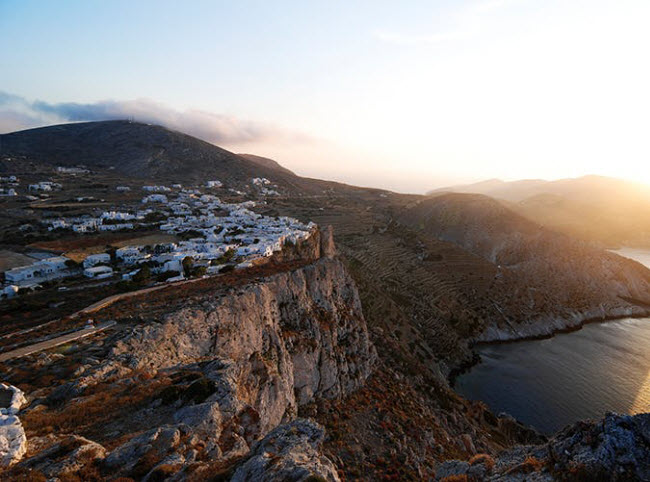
[(226, 366)]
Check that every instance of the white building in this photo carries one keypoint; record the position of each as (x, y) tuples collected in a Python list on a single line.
[(156, 188), (214, 183), (155, 198), (95, 259), (72, 170), (129, 254), (260, 181), (8, 192), (98, 272), (9, 291), (50, 268), (45, 186)]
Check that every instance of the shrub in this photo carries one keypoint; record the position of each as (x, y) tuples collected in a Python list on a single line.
[(455, 478), (166, 275), (188, 262), (484, 459)]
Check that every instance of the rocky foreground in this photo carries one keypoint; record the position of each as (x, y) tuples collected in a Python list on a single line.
[(613, 449), (272, 374)]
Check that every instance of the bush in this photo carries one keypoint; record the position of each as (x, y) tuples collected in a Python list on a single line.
[(188, 263), (162, 277), (225, 257), (484, 459), (143, 275), (455, 478)]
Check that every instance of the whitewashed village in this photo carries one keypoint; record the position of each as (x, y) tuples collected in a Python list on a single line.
[(212, 236)]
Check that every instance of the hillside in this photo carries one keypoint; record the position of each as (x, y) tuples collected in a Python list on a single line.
[(215, 377), (134, 149), (609, 211), (549, 280), (266, 162)]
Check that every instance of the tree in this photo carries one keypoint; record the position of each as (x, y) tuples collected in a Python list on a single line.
[(188, 263), (143, 275), (71, 263)]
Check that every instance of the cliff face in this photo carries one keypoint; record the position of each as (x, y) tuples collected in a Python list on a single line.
[(225, 367), (281, 342)]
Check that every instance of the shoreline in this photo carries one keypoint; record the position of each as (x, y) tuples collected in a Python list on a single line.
[(567, 329), (476, 357)]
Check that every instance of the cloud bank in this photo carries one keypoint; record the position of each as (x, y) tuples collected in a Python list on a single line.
[(17, 113)]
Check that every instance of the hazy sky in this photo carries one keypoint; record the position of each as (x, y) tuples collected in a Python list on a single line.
[(405, 95)]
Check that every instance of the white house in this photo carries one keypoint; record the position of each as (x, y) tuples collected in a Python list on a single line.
[(214, 183), (50, 268), (260, 181), (160, 198), (156, 188), (95, 259), (72, 170), (9, 291), (129, 254), (98, 272)]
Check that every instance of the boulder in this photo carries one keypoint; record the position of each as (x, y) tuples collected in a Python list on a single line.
[(13, 442), (289, 452)]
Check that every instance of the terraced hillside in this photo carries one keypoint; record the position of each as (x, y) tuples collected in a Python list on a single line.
[(438, 274), (553, 281), (422, 294)]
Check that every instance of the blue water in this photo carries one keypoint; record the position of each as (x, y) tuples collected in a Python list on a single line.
[(572, 376)]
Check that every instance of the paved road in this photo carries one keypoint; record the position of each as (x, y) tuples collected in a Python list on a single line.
[(51, 343), (121, 296)]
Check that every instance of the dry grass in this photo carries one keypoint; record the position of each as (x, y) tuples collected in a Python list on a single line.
[(9, 260), (104, 403), (152, 239), (484, 459), (95, 243), (530, 464), (455, 478)]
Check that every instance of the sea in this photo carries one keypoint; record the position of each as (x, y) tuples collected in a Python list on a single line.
[(550, 383)]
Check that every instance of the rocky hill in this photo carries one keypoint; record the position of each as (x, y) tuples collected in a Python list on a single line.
[(548, 280), (610, 211), (134, 149), (266, 162)]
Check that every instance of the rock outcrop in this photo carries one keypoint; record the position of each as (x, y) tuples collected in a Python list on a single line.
[(290, 452), (13, 442), (615, 448), (544, 281)]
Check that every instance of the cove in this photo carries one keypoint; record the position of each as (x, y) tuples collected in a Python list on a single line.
[(553, 382)]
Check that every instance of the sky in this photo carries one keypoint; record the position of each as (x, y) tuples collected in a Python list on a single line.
[(406, 95)]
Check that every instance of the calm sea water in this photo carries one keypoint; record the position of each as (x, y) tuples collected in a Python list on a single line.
[(573, 376)]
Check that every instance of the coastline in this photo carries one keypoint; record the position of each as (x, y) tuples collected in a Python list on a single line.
[(467, 365)]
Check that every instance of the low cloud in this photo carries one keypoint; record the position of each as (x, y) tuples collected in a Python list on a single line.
[(17, 113)]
